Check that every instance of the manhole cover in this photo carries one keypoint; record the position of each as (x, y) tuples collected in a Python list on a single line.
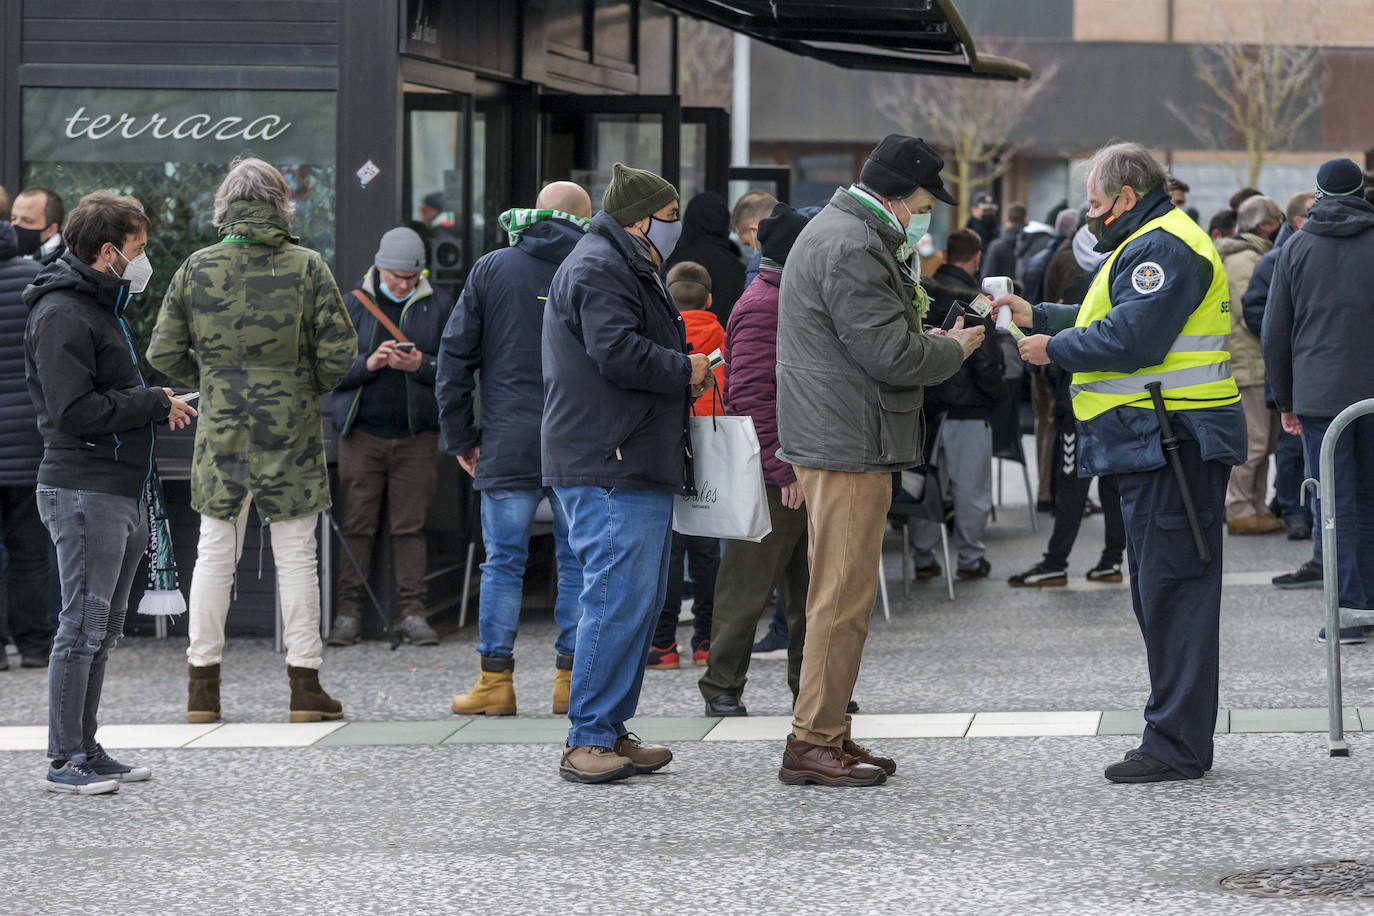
[(1346, 878)]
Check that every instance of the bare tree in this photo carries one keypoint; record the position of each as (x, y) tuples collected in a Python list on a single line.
[(977, 122), (1265, 90), (706, 58)]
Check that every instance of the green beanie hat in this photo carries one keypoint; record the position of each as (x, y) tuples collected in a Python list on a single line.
[(634, 194)]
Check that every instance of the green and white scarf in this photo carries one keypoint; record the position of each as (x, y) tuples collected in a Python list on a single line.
[(905, 262), (517, 220)]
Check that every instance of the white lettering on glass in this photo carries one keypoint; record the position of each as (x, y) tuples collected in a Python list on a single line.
[(197, 126)]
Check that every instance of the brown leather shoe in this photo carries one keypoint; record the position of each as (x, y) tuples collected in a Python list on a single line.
[(645, 759), (804, 763), (1254, 524), (864, 755), (588, 764)]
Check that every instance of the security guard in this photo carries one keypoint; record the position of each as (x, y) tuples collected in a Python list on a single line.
[(1158, 310)]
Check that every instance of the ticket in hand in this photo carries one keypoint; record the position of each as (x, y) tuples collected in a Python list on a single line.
[(716, 359), (1004, 323), (981, 306)]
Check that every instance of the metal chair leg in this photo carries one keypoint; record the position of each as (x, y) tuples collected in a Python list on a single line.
[(949, 566), (467, 584), (906, 557), (882, 587), (1030, 500)]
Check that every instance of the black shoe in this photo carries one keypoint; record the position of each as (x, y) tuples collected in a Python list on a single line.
[(1045, 505), (727, 704), (33, 661), (1105, 572), (978, 570), (1141, 767), (4, 659), (1299, 529), (772, 641), (1308, 575), (928, 572), (851, 708), (1039, 576)]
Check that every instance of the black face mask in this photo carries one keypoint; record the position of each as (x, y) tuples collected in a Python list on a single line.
[(1098, 224), (30, 240)]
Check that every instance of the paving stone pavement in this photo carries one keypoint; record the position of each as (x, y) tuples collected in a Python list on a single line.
[(971, 825)]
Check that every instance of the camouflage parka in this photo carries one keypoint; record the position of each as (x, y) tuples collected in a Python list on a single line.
[(257, 325)]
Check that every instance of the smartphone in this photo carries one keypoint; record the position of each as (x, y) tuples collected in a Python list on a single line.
[(405, 346)]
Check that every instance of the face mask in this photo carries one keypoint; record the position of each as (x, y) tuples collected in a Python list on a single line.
[(138, 272), (927, 250), (1098, 224), (916, 230), (663, 235), (30, 240), (386, 290)]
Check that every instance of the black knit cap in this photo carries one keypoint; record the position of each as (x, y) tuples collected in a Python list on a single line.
[(899, 165), (1339, 178), (778, 231)]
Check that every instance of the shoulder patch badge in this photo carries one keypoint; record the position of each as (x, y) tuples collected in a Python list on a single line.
[(1147, 277)]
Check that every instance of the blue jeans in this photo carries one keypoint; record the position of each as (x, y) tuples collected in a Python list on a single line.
[(506, 519), (622, 539), (1288, 477), (1354, 505), (100, 540)]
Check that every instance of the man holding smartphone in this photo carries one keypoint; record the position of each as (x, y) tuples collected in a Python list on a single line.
[(388, 422)]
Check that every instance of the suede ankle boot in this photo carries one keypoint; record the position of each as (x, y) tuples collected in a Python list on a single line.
[(202, 694), (562, 683), (494, 692), (309, 702)]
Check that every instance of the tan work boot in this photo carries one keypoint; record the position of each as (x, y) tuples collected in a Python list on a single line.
[(645, 759), (309, 702), (593, 764), (494, 692), (562, 684), (202, 694), (1255, 524)]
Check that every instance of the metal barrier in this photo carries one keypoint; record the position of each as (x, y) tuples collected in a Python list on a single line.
[(1326, 488)]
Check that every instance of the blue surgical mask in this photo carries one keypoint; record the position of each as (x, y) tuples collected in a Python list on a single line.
[(917, 228)]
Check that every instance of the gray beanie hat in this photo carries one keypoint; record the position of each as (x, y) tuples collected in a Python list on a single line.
[(401, 249)]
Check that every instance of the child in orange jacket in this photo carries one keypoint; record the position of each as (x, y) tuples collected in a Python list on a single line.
[(690, 286)]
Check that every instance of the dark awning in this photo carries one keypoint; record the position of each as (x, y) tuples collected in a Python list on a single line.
[(906, 36)]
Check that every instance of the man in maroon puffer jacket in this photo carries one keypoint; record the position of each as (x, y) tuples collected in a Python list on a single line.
[(750, 572)]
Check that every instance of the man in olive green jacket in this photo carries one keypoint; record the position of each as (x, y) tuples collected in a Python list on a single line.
[(1247, 510), (257, 325)]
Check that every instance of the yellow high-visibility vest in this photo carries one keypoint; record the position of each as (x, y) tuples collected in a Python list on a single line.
[(1196, 372)]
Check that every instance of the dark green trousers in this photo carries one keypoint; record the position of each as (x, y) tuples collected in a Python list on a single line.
[(744, 587)]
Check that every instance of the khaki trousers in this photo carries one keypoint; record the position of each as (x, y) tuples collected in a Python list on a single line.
[(1250, 481), (846, 517)]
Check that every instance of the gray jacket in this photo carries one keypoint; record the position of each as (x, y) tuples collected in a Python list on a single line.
[(852, 356)]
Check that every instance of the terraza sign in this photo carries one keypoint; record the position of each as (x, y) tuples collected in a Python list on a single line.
[(198, 126), (287, 127)]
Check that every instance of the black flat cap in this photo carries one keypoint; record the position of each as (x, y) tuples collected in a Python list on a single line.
[(899, 165)]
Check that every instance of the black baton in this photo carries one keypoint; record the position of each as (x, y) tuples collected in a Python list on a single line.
[(1170, 442)]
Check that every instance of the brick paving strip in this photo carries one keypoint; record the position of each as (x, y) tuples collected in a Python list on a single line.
[(549, 730)]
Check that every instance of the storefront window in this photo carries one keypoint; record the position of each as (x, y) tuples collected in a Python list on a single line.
[(171, 149)]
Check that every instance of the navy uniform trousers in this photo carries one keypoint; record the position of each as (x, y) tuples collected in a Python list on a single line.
[(1178, 604)]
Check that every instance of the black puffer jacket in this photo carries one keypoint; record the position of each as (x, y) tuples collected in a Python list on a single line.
[(972, 392), (21, 447), (94, 410), (706, 240)]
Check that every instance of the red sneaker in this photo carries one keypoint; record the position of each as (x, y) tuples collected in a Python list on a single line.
[(700, 652), (665, 658)]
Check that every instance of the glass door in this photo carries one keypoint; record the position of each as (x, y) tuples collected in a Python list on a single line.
[(436, 185), (705, 151), (585, 135)]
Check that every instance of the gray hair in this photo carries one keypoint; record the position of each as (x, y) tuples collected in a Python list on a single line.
[(1066, 223), (253, 179), (1118, 165), (1257, 210)]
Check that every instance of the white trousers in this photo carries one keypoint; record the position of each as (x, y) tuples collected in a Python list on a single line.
[(298, 588)]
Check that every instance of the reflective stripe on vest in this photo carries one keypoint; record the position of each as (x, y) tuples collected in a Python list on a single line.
[(1196, 372)]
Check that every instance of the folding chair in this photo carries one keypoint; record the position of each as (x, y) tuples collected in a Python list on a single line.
[(923, 486)]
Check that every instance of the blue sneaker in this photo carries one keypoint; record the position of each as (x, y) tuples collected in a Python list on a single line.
[(76, 778), (772, 641), (1350, 636), (104, 765)]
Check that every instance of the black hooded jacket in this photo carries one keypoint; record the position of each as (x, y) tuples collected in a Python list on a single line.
[(971, 393), (494, 336), (21, 447), (706, 240), (1321, 305), (94, 410)]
